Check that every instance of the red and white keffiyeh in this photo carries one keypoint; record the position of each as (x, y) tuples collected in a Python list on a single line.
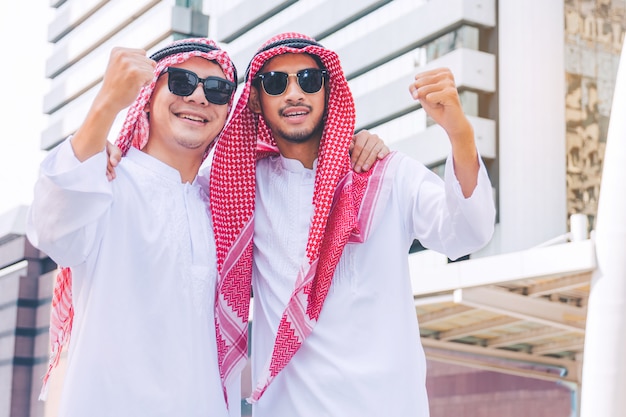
[(338, 193), (134, 132)]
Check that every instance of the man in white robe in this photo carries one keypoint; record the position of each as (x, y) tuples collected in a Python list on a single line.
[(138, 291), (334, 328)]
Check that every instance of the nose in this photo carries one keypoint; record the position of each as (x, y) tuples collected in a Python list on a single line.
[(293, 89), (198, 95)]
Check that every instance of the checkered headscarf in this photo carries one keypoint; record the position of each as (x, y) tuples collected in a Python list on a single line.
[(134, 132), (246, 139)]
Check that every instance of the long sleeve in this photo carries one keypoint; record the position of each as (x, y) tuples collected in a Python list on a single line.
[(440, 217), (70, 199)]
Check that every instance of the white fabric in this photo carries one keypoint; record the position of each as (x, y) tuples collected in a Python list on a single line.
[(364, 356), (142, 255)]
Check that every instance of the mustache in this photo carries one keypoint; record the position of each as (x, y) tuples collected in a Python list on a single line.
[(282, 110)]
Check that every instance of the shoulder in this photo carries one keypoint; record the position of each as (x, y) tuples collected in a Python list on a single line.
[(397, 166)]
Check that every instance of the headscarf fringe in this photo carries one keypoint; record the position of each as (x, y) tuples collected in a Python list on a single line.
[(134, 132), (246, 139)]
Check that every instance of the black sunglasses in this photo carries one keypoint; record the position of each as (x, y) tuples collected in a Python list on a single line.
[(183, 83), (310, 80)]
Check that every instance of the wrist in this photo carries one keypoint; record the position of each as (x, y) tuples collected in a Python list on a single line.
[(461, 131)]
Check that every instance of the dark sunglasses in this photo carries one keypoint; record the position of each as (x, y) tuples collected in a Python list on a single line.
[(310, 80), (183, 83)]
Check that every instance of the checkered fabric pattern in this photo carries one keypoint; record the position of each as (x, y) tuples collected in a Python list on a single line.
[(134, 132), (246, 139)]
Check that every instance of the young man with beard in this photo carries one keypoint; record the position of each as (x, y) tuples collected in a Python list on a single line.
[(335, 331)]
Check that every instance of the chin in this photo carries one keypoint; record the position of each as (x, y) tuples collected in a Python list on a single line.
[(301, 136)]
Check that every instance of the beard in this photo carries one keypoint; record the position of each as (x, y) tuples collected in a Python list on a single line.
[(301, 135)]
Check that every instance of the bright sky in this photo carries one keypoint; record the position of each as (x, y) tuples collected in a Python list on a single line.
[(23, 31)]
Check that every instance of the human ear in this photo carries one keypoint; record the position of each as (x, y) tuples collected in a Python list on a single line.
[(254, 103)]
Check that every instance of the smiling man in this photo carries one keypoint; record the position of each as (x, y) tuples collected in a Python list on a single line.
[(335, 331), (296, 126), (137, 292)]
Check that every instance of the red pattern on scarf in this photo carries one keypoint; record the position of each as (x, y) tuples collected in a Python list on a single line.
[(246, 139), (134, 132)]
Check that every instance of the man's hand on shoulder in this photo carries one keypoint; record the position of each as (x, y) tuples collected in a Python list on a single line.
[(115, 156), (365, 149)]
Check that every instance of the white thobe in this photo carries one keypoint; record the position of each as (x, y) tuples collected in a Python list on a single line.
[(143, 261), (364, 357)]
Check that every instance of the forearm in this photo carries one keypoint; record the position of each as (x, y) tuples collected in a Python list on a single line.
[(91, 137), (465, 157), (438, 95), (473, 217)]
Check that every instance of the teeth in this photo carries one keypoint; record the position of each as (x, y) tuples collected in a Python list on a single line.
[(189, 117)]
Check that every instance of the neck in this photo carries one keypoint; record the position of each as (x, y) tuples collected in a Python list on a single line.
[(186, 163), (188, 172), (305, 152)]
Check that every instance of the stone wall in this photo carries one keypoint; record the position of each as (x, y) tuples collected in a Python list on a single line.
[(594, 32)]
